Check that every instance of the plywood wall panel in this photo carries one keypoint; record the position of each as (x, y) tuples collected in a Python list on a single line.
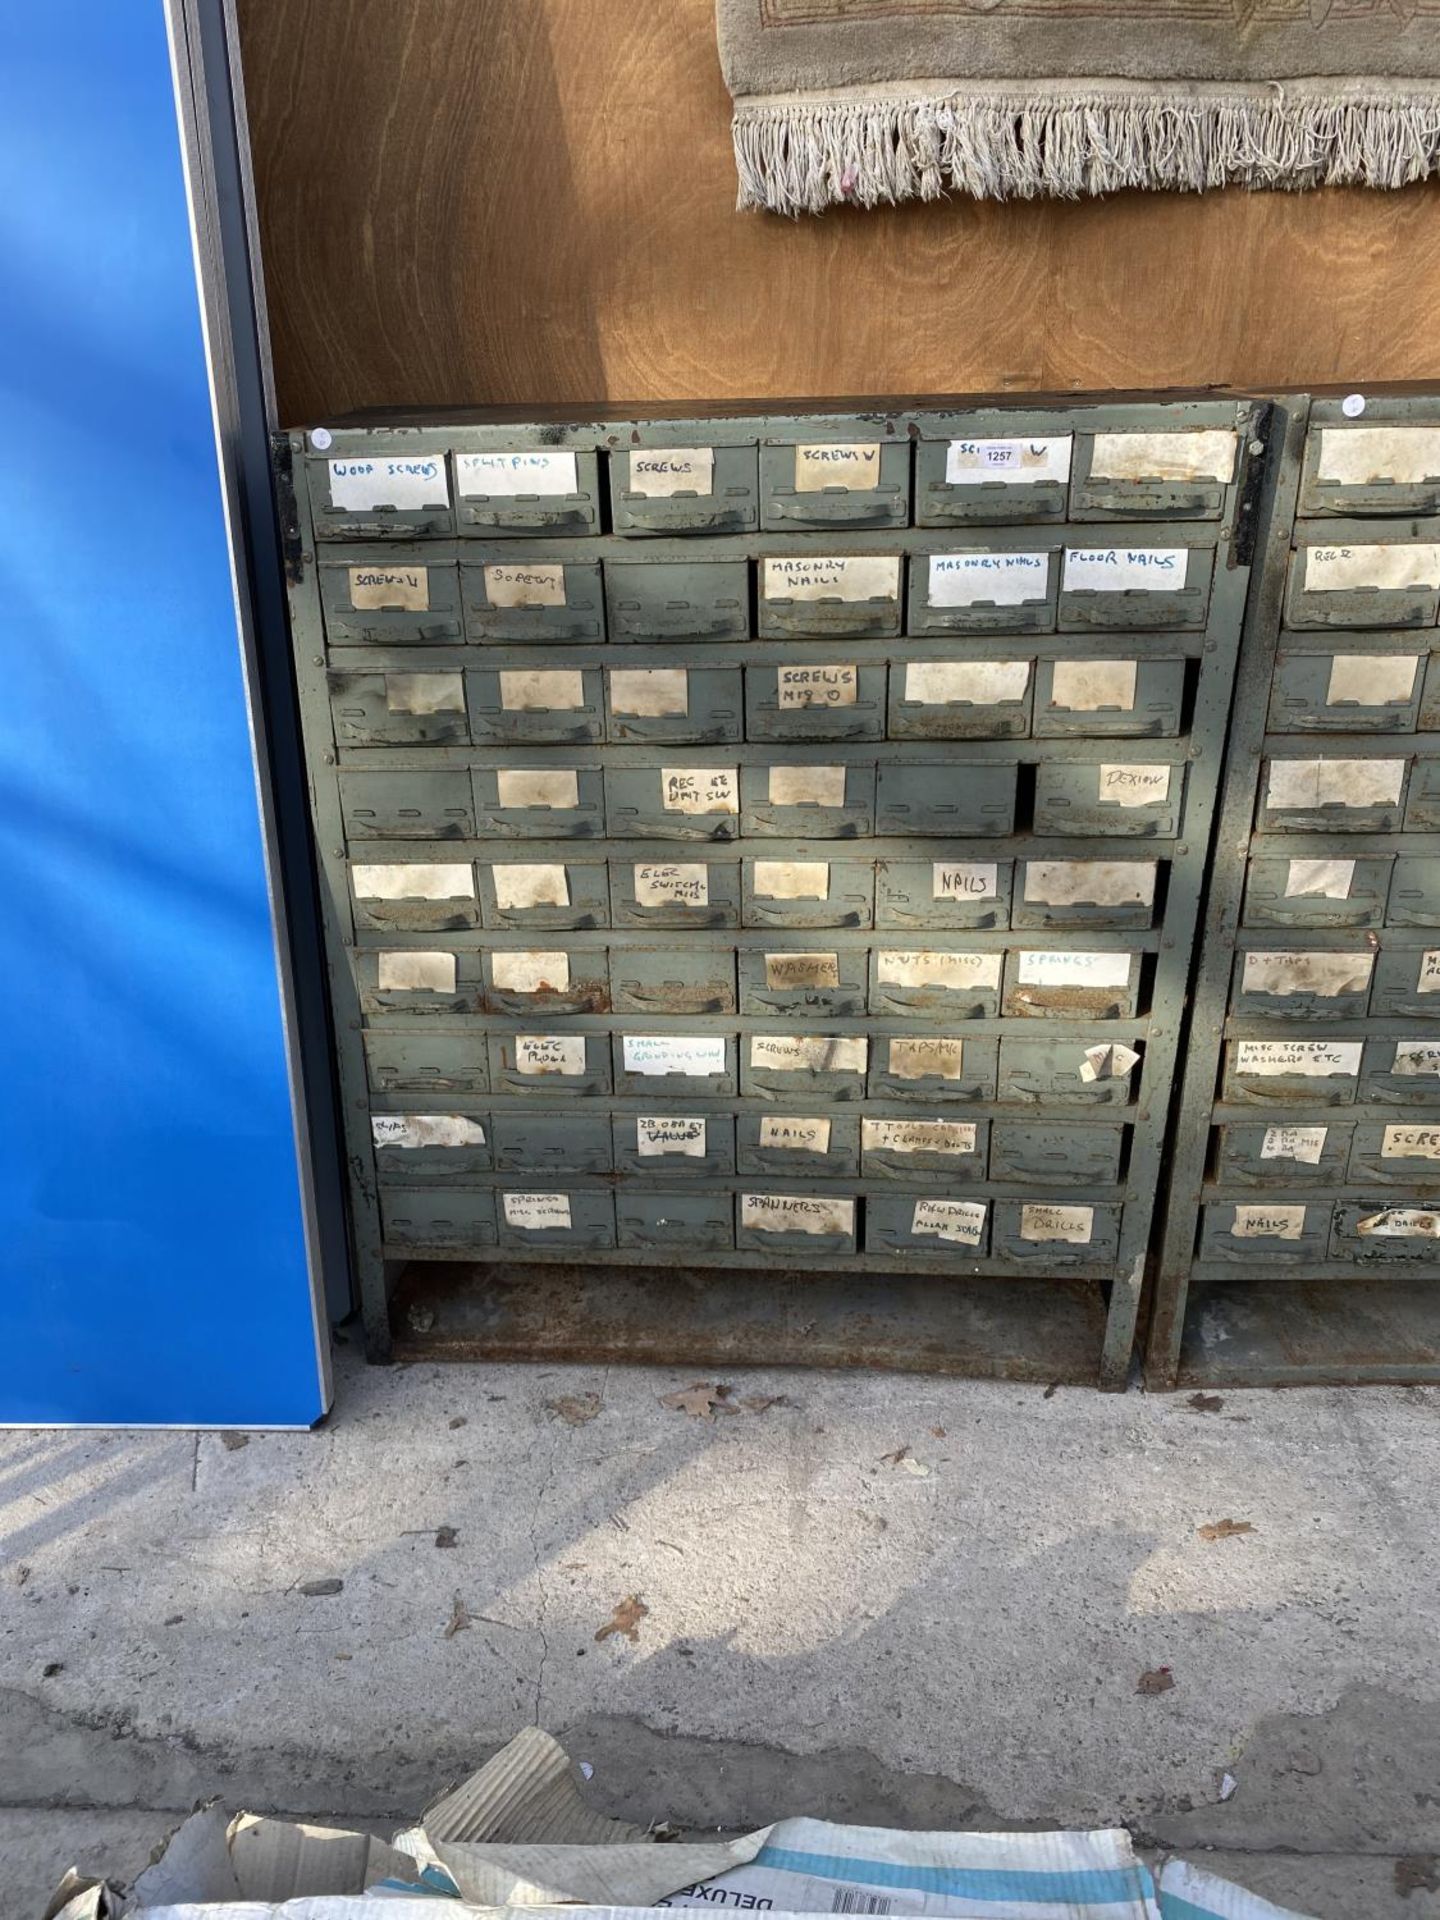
[(533, 200)]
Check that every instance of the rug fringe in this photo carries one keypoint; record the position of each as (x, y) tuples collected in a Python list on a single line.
[(803, 156)]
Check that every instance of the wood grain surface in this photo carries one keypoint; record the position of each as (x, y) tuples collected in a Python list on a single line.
[(477, 201)]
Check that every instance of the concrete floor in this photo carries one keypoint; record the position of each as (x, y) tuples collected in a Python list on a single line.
[(827, 1632)]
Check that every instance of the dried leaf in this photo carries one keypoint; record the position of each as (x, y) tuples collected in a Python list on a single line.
[(1157, 1680), (1224, 1529), (459, 1420), (906, 1462), (1051, 1391), (446, 1537), (762, 1402), (625, 1619), (459, 1621), (575, 1409), (1206, 1403), (232, 1442), (939, 1432), (321, 1589), (894, 1459), (700, 1400)]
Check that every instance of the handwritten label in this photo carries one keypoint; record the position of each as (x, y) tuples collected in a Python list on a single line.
[(1410, 1143), (654, 693), (538, 787), (1013, 463), (1094, 686), (1371, 679), (927, 1059), (853, 576), (796, 1213), (793, 1135), (792, 880), (1268, 1223), (413, 1131), (360, 485), (1199, 453), (1401, 1223), (1064, 968), (918, 1136), (411, 972), (670, 884), (372, 589), (702, 1055), (802, 970), (806, 1053), (1319, 879), (959, 1221), (1310, 1059), (1091, 883), (1133, 786), (1416, 1057), (420, 881), (976, 683), (512, 972), (1325, 974), (817, 686), (541, 690), (694, 790), (1126, 569), (520, 884), (1300, 785), (1361, 456), (806, 786), (658, 473), (994, 579), (1041, 1222), (964, 880), (532, 585), (422, 693), (670, 1133), (1112, 1061), (537, 1212), (1429, 976), (547, 1053), (853, 465), (1305, 1144), (1387, 569), (489, 476), (957, 972)]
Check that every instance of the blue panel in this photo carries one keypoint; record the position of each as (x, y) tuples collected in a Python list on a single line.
[(150, 1220)]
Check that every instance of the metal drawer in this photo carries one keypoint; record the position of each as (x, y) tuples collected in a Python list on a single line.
[(684, 801), (1139, 800), (1336, 690), (1332, 795), (1414, 892), (830, 596), (851, 481), (417, 1061), (945, 797), (1281, 1155), (1379, 1233), (925, 1226), (399, 709), (972, 591), (1271, 1233), (1174, 474), (523, 602), (1309, 983), (1068, 1072), (424, 1147), (945, 1152), (1407, 984), (1316, 893), (527, 493), (1365, 584), (673, 1221), (667, 980), (806, 1228), (1086, 893), (675, 893), (1124, 588), (808, 893), (577, 1219), (680, 1144), (932, 1067), (550, 1065), (541, 1145), (409, 980), (801, 801), (936, 983), (433, 1218), (377, 496), (529, 706), (407, 804), (544, 896), (1404, 1154), (794, 1146), (1055, 1153), (977, 481), (423, 896), (961, 699), (1112, 698), (539, 803), (806, 1068), (1274, 1073), (942, 893), (1066, 983), (684, 490), (677, 599), (675, 1066), (681, 706), (823, 702), (1056, 1235), (537, 983), (1401, 1073), (403, 600), (801, 981), (1388, 468)]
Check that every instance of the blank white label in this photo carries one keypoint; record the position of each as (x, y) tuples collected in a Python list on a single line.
[(795, 1135), (416, 1130), (1401, 1223), (926, 1059), (997, 579), (530, 884), (537, 787), (1093, 883), (1326, 974), (1133, 786), (700, 789), (673, 1053), (1108, 1061), (533, 585), (541, 690), (658, 472), (530, 972), (976, 683), (806, 786), (1302, 784), (545, 1053), (672, 885), (817, 686), (1014, 463), (854, 465), (1305, 1144), (374, 588), (653, 693), (1371, 679), (1040, 1221), (1126, 569), (1268, 1223), (1311, 1059), (1093, 686), (1428, 980), (802, 970), (918, 1136), (1416, 1057), (960, 1221), (792, 880), (1359, 456), (362, 484), (1319, 879), (1064, 968), (422, 881), (537, 1211), (796, 1213), (670, 1133), (422, 693), (506, 475), (1387, 568), (1200, 453), (964, 880), (955, 971), (805, 1053), (1410, 1143), (411, 972), (854, 576)]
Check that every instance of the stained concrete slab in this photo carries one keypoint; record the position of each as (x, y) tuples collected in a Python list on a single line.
[(828, 1630)]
